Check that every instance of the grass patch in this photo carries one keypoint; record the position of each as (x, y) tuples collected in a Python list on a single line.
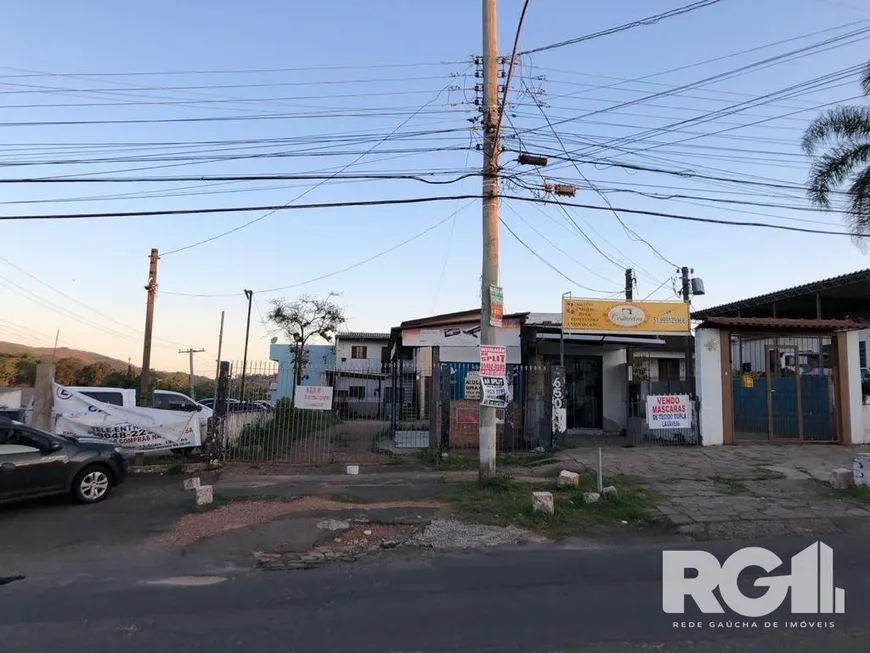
[(504, 501), (450, 462), (730, 485), (175, 468)]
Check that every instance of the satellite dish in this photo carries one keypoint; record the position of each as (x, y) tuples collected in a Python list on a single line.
[(274, 339)]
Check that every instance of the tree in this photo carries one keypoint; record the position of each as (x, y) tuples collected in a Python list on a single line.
[(305, 318), (844, 132), (95, 374), (177, 381), (67, 371)]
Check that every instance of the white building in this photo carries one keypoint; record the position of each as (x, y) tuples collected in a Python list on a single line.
[(361, 378)]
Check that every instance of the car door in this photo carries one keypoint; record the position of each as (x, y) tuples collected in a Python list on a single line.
[(29, 464)]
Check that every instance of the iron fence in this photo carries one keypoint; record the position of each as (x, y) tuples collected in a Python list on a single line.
[(643, 430)]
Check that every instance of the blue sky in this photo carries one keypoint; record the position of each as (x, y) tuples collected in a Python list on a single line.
[(348, 78)]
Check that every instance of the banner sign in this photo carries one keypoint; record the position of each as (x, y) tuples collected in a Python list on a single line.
[(133, 428), (495, 391), (496, 304), (493, 360), (602, 316), (313, 397), (668, 412)]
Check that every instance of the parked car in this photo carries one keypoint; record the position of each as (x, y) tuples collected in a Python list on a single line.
[(35, 463)]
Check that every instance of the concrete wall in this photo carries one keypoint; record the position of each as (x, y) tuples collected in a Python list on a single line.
[(371, 362), (708, 384), (856, 398), (614, 390)]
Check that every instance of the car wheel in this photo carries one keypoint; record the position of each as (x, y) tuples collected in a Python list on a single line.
[(92, 484)]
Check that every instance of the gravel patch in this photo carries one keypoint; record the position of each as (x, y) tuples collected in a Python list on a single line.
[(240, 514), (333, 525), (452, 534)]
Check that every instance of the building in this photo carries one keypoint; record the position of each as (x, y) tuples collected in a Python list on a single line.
[(786, 366), (321, 359), (442, 353), (361, 381)]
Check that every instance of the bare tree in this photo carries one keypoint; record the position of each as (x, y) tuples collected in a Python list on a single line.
[(304, 318)]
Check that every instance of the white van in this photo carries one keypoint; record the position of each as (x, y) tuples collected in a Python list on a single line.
[(163, 400)]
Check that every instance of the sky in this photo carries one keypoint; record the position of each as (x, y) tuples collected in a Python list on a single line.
[(102, 89)]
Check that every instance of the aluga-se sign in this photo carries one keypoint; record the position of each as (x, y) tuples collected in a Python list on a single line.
[(811, 582)]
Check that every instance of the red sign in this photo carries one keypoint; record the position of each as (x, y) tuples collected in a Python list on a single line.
[(493, 360)]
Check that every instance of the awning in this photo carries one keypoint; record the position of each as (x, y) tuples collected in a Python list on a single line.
[(591, 339)]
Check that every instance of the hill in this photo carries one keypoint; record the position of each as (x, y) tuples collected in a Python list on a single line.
[(46, 353)]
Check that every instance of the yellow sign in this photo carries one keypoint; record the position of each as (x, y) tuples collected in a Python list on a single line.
[(604, 316), (748, 381)]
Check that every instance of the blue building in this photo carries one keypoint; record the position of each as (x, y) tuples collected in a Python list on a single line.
[(321, 359)]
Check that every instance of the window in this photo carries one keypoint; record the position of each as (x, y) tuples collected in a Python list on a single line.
[(359, 351), (106, 397), (12, 441), (669, 369), (168, 401), (862, 353), (357, 392)]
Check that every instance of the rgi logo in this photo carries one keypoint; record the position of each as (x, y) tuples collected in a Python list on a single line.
[(811, 582)]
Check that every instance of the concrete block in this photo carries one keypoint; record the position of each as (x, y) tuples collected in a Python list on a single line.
[(191, 483), (568, 479), (352, 470), (204, 495), (591, 497), (610, 492), (842, 478), (543, 502)]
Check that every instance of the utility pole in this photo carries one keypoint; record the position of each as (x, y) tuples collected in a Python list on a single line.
[(217, 371), (687, 297), (250, 295), (629, 284), (190, 352), (145, 378), (489, 277)]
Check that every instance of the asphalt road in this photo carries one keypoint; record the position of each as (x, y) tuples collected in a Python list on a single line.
[(531, 600)]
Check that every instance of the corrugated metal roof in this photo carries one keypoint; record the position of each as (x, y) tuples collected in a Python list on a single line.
[(544, 319), (362, 335), (785, 323), (460, 317), (794, 291)]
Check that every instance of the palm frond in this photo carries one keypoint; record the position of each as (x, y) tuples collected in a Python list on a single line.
[(858, 215), (846, 123), (832, 169), (865, 79)]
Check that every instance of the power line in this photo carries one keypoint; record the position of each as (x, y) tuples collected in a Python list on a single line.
[(424, 200), (342, 270), (632, 234), (304, 193), (649, 20)]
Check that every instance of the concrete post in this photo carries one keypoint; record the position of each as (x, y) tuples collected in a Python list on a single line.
[(43, 396)]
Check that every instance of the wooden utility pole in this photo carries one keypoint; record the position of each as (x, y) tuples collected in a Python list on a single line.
[(489, 277), (145, 379), (190, 352), (687, 297)]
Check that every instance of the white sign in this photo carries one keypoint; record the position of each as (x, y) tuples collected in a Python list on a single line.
[(472, 386), (811, 582), (313, 397), (461, 335), (668, 412), (134, 428), (495, 391), (560, 412), (493, 360)]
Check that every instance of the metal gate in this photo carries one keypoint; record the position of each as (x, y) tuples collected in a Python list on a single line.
[(783, 388)]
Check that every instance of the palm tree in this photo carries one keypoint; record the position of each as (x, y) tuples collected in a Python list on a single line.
[(844, 132)]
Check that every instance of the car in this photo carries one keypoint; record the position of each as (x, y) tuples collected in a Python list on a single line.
[(36, 463)]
